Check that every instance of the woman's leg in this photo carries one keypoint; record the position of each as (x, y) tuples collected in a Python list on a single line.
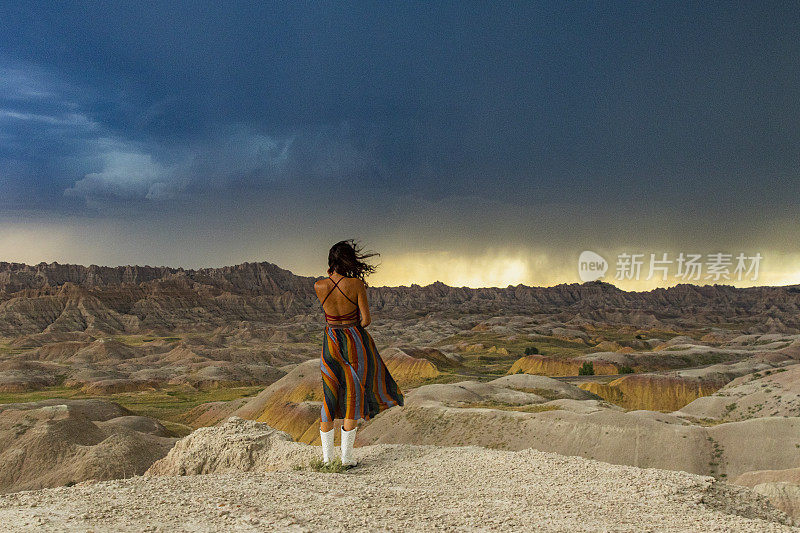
[(349, 424), (326, 426)]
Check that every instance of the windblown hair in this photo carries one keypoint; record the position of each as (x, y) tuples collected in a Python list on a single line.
[(348, 259)]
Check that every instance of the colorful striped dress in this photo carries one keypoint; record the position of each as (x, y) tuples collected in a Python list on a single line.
[(355, 381)]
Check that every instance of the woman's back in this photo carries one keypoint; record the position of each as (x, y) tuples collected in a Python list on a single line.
[(340, 296)]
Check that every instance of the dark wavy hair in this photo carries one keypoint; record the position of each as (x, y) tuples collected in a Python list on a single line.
[(348, 259)]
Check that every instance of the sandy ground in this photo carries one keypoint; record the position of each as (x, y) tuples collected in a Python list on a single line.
[(401, 488)]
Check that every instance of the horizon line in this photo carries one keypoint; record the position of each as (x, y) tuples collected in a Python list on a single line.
[(598, 281)]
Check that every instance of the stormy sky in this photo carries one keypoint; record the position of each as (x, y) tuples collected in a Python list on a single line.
[(477, 143)]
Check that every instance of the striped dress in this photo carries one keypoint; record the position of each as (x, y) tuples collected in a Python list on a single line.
[(355, 381)]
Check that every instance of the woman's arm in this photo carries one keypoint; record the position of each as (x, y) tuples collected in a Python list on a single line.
[(363, 304)]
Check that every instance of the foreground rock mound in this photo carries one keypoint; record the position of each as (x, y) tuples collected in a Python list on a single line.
[(56, 442), (238, 445), (396, 487)]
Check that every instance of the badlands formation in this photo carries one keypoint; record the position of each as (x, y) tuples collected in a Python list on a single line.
[(673, 409)]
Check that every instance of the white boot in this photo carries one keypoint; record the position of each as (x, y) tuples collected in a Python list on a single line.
[(327, 445), (348, 439)]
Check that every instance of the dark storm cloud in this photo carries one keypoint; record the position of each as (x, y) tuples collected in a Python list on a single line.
[(458, 121)]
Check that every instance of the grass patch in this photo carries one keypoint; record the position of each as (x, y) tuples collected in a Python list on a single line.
[(42, 394), (170, 404), (177, 429), (442, 378), (547, 394), (318, 465), (536, 408), (167, 405)]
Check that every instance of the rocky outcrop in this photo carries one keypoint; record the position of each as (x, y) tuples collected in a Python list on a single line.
[(751, 479), (543, 365), (57, 442), (407, 369), (693, 390), (655, 392), (24, 376), (291, 404), (494, 415), (781, 487), (783, 496), (605, 391), (509, 391), (237, 445), (768, 392)]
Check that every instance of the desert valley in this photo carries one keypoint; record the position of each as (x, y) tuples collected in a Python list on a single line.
[(103, 370)]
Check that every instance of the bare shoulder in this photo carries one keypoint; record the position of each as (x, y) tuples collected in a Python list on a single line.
[(361, 287), (358, 283), (320, 284)]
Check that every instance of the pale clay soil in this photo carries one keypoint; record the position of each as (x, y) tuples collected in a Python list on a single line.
[(402, 488)]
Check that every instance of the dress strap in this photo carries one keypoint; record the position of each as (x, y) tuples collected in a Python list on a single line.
[(352, 315), (343, 294), (336, 286)]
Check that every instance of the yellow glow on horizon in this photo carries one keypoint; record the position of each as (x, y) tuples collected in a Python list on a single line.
[(501, 269), (106, 243), (491, 269)]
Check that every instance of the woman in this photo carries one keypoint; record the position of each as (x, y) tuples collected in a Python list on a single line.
[(355, 382)]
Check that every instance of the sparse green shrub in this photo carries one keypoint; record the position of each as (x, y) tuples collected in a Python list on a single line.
[(730, 407), (625, 369), (587, 369), (531, 350), (318, 465)]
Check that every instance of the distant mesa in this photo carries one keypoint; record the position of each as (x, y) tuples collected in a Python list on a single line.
[(131, 299)]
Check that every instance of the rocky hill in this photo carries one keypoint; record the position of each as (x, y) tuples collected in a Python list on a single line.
[(61, 442), (54, 297)]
